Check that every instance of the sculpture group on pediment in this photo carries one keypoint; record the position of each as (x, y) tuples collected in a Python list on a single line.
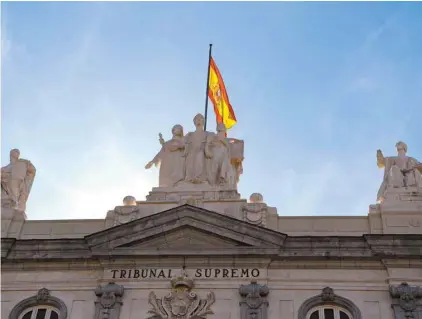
[(199, 158), (400, 172), (16, 181)]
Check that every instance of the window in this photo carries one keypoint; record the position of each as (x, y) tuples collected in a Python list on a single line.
[(41, 306), (328, 312), (40, 312), (328, 305)]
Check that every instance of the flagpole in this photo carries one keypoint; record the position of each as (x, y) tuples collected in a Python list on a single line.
[(207, 89)]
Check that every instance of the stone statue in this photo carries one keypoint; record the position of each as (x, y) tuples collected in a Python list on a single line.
[(197, 152), (171, 159), (222, 172), (236, 156), (399, 171), (16, 180)]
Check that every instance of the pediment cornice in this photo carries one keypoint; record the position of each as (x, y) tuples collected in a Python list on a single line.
[(215, 225)]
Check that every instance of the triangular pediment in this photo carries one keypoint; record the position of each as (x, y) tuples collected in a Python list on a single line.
[(184, 228), (186, 236)]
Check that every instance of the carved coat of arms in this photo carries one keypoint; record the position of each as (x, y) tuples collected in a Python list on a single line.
[(181, 302)]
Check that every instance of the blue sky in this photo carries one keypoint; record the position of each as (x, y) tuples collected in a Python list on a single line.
[(317, 88)]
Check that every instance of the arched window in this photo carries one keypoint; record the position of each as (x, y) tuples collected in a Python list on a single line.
[(41, 306), (40, 312), (328, 312), (328, 305)]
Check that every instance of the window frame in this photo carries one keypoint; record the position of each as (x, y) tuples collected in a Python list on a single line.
[(321, 308), (42, 299), (328, 299), (35, 309)]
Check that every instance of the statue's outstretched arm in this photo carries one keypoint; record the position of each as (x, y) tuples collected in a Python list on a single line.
[(155, 161)]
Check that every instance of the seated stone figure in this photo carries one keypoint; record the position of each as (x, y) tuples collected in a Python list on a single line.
[(222, 173), (399, 171)]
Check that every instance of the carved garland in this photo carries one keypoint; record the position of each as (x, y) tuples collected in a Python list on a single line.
[(328, 297), (43, 298)]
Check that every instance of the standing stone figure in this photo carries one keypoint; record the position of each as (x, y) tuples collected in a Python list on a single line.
[(171, 159), (16, 180), (197, 152), (399, 171), (222, 171)]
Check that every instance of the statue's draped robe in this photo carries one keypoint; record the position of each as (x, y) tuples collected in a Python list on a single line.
[(222, 171), (394, 177), (16, 182), (196, 163), (171, 161)]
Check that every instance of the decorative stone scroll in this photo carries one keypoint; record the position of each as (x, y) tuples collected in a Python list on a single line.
[(254, 303), (181, 302), (43, 297), (407, 303), (256, 211), (109, 301), (328, 297)]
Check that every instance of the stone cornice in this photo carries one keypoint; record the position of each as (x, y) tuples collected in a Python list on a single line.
[(137, 240), (367, 247)]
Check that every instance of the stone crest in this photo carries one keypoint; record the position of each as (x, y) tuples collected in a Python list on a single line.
[(408, 297), (109, 301), (181, 302), (254, 303)]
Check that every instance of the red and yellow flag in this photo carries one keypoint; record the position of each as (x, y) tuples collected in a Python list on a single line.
[(218, 96)]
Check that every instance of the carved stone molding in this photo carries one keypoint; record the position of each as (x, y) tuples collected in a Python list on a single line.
[(109, 301), (181, 302), (328, 297), (407, 301), (254, 303), (43, 297)]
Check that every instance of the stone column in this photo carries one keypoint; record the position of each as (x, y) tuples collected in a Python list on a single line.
[(109, 301), (406, 301), (254, 303)]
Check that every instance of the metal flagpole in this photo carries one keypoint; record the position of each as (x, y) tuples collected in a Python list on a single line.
[(207, 89)]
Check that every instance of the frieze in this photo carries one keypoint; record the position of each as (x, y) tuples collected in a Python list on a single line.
[(198, 273)]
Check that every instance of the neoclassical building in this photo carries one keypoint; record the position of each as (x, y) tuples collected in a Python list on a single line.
[(195, 249)]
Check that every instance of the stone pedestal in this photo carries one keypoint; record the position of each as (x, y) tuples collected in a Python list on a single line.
[(203, 192), (12, 221), (399, 213)]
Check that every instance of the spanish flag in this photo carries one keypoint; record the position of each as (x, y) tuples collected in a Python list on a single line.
[(218, 96)]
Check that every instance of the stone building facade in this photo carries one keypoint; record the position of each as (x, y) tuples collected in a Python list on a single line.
[(197, 250)]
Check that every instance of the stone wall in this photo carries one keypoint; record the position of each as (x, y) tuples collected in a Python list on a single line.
[(288, 290)]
